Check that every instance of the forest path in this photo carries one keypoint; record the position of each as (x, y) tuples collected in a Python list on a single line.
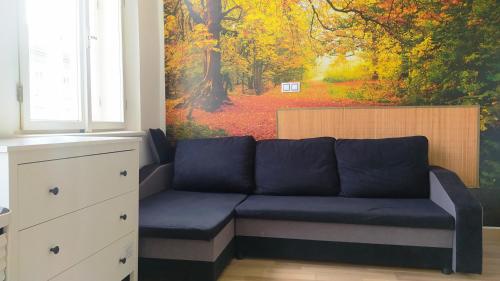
[(256, 114)]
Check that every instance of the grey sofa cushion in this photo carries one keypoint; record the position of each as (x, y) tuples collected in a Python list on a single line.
[(422, 213), (215, 165), (390, 168), (186, 215), (296, 167)]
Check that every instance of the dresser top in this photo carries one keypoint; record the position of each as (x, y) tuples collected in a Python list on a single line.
[(29, 143)]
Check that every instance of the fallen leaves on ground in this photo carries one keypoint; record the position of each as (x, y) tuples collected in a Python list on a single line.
[(256, 114)]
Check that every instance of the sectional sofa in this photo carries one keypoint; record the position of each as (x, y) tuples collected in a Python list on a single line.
[(357, 201)]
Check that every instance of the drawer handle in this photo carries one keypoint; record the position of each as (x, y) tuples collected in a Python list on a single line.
[(54, 190), (123, 260), (123, 217), (55, 250), (123, 173)]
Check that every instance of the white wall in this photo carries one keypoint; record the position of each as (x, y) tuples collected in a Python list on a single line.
[(144, 68), (152, 71), (132, 65), (9, 69), (152, 63), (144, 73), (132, 75)]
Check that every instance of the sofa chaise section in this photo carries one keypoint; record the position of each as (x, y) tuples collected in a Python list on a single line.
[(186, 219), (177, 214), (189, 233)]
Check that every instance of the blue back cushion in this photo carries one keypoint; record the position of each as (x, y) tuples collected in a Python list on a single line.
[(296, 167), (215, 165), (384, 168)]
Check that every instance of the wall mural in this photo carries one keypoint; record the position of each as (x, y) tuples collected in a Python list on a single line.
[(226, 61)]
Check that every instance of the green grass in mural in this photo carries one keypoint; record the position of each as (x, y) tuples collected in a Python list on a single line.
[(343, 69), (338, 92), (190, 130), (348, 92), (359, 92)]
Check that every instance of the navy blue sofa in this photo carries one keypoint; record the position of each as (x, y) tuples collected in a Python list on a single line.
[(358, 201)]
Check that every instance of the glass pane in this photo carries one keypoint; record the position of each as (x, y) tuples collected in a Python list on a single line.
[(106, 61), (54, 55)]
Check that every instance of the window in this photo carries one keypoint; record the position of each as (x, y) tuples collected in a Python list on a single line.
[(72, 64)]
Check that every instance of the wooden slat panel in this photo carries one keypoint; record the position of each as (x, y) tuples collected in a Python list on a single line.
[(453, 131)]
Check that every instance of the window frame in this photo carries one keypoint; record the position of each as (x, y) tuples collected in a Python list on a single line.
[(85, 124)]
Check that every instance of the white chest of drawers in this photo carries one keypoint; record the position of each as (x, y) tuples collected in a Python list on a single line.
[(74, 208)]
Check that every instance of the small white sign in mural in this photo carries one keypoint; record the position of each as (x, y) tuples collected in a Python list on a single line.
[(290, 87)]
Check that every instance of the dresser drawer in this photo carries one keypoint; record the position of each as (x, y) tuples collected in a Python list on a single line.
[(53, 188), (52, 247), (113, 263)]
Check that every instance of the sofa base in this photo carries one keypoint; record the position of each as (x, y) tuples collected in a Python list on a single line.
[(185, 270), (355, 253)]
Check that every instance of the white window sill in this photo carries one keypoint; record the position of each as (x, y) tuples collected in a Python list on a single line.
[(91, 134)]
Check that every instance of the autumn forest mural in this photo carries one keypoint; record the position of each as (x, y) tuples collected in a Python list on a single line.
[(226, 59)]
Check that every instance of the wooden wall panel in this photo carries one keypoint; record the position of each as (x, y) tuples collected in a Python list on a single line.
[(453, 131)]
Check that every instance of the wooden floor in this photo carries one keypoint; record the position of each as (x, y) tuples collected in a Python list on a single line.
[(273, 270)]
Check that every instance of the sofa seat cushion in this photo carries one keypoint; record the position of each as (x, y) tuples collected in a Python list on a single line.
[(383, 168), (215, 165), (186, 215), (296, 167), (418, 213)]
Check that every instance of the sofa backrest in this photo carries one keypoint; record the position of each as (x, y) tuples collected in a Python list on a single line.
[(296, 167), (376, 168), (215, 165), (389, 168)]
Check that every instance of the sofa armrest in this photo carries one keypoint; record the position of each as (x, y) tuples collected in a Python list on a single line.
[(449, 192), (155, 178)]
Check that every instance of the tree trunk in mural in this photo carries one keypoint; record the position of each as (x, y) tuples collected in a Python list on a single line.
[(210, 94), (255, 81), (374, 56), (258, 84)]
